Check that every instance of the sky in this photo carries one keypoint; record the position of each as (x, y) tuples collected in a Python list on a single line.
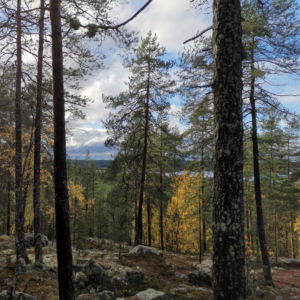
[(173, 21)]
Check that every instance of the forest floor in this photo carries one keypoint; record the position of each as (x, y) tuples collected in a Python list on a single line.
[(44, 284)]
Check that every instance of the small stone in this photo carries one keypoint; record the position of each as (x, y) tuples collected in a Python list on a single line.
[(140, 249), (152, 294), (105, 295), (279, 297), (18, 296)]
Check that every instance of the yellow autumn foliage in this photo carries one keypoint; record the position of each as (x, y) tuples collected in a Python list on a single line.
[(181, 219)]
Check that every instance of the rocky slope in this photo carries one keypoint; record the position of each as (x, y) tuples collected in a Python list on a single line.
[(107, 270)]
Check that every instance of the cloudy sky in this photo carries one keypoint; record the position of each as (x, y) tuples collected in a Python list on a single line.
[(173, 21)]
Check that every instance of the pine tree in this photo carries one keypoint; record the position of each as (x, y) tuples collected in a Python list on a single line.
[(149, 89)]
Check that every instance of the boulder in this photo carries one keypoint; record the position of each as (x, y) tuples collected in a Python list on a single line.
[(18, 296), (97, 275), (290, 262), (151, 294), (134, 276), (125, 273), (202, 275), (169, 266), (81, 279), (140, 249), (29, 240), (105, 295), (13, 259), (260, 293), (3, 263)]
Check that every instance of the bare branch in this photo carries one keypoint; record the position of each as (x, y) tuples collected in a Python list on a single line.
[(195, 37), (201, 86)]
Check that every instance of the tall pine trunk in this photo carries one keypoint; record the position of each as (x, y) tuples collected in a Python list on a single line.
[(20, 201), (139, 222), (37, 144), (8, 202), (229, 280), (161, 197), (62, 210), (199, 215), (149, 220), (259, 210)]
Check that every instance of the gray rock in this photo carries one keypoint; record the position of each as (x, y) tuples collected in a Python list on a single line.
[(279, 297), (140, 249), (18, 296), (259, 292), (181, 275), (13, 259), (105, 295), (81, 279), (97, 275), (169, 266), (134, 276), (3, 263), (290, 262), (29, 240), (151, 294), (201, 276)]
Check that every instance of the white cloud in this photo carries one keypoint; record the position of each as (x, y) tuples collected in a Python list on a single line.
[(90, 139), (173, 22)]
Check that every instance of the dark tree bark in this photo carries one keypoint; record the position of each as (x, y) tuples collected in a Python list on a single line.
[(229, 280), (200, 221), (149, 220), (37, 145), (160, 196), (139, 223), (8, 202), (20, 201), (202, 191), (62, 210), (259, 211)]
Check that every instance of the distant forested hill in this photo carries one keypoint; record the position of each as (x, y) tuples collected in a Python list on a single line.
[(103, 163)]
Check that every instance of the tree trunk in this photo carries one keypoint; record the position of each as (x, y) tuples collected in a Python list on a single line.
[(259, 210), (161, 196), (292, 235), (20, 205), (199, 214), (8, 202), (139, 223), (204, 233), (62, 210), (229, 280), (202, 182), (149, 220), (251, 230), (37, 145)]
